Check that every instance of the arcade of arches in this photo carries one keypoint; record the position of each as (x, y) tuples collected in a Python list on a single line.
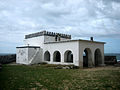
[(87, 58), (68, 57)]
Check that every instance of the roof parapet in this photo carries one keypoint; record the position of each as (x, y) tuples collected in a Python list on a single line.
[(47, 33)]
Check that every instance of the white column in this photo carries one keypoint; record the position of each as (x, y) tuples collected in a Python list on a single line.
[(93, 59), (51, 57), (81, 57), (62, 57)]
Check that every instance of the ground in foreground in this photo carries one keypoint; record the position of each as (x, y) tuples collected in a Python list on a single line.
[(37, 77)]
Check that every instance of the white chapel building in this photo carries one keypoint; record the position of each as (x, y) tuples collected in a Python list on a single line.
[(57, 48)]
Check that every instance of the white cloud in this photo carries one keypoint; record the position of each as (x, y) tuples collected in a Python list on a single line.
[(81, 18)]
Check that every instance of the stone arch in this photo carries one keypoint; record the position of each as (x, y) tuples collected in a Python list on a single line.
[(56, 56), (47, 56), (87, 57), (97, 57), (68, 56)]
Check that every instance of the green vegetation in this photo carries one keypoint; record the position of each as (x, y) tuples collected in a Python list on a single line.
[(41, 77)]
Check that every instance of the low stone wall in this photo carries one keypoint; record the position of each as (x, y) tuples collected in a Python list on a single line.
[(7, 58), (110, 60)]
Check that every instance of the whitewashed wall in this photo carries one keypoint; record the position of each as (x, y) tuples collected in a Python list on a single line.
[(35, 55), (35, 41), (77, 48), (22, 55), (62, 48), (39, 41), (52, 39), (29, 55), (92, 46)]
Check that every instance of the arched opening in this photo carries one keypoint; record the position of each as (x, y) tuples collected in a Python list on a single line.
[(47, 56), (98, 57), (68, 56), (56, 56), (87, 57)]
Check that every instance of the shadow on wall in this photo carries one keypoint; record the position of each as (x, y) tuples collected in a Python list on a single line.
[(4, 59)]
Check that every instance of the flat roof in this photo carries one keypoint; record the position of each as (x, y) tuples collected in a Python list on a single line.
[(75, 41), (28, 47)]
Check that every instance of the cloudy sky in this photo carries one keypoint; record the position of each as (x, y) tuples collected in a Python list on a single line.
[(80, 18)]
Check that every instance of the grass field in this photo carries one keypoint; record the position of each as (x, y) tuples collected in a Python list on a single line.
[(40, 77)]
